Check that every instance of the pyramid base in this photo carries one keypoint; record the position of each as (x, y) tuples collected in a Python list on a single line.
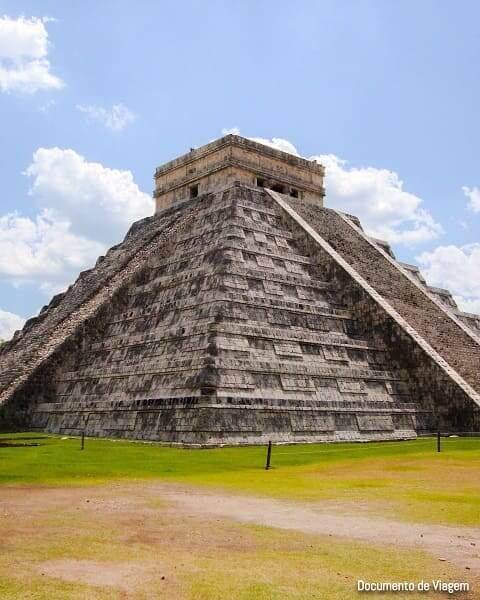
[(198, 422)]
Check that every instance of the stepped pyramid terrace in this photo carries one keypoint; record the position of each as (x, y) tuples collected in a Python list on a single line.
[(245, 311)]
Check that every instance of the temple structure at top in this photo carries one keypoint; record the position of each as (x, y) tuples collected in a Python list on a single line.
[(237, 159)]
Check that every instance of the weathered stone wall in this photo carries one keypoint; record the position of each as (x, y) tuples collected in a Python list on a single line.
[(232, 336)]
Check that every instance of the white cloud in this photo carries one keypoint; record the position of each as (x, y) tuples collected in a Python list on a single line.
[(9, 323), (377, 197), (83, 207), (99, 202), (456, 268), (24, 65), (114, 118), (277, 144), (43, 250), (473, 195), (230, 131)]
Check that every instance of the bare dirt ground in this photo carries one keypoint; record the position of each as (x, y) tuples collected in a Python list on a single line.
[(101, 574), (119, 536), (459, 545)]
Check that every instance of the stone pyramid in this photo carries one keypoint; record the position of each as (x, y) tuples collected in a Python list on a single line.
[(244, 311)]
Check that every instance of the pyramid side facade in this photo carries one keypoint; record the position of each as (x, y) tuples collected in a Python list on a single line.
[(220, 321), (424, 324)]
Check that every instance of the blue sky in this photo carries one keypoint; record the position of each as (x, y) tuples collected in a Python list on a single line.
[(94, 95)]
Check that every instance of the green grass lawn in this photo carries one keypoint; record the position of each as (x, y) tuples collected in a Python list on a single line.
[(55, 508), (407, 480)]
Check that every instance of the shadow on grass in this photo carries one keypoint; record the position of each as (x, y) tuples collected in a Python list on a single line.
[(37, 437), (10, 445)]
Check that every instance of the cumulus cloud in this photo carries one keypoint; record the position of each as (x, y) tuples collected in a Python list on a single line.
[(374, 195), (473, 195), (43, 250), (456, 268), (278, 144), (100, 203), (9, 323), (114, 118), (24, 66), (377, 197), (83, 208)]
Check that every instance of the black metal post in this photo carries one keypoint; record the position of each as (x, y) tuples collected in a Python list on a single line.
[(269, 456), (439, 448), (83, 441)]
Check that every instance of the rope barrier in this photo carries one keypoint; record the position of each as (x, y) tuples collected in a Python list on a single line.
[(366, 444), (322, 450)]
